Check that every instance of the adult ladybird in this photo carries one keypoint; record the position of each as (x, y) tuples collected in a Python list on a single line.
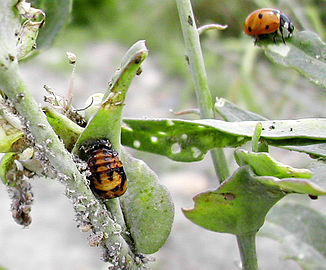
[(267, 21), (107, 178)]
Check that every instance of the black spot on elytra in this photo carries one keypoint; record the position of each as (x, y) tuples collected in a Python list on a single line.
[(249, 29), (267, 26), (260, 15)]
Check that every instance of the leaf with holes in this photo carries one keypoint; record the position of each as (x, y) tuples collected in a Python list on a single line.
[(305, 52), (185, 140), (301, 233)]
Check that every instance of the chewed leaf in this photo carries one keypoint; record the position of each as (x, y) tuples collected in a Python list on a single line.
[(301, 232), (184, 140), (147, 206), (238, 206), (264, 165), (305, 53)]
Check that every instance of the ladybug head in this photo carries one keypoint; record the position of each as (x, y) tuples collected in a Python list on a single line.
[(287, 23)]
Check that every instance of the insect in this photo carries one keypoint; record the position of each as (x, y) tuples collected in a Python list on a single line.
[(267, 21), (107, 178)]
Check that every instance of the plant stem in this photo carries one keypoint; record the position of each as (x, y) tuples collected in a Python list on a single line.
[(247, 248), (196, 64), (195, 61), (15, 89)]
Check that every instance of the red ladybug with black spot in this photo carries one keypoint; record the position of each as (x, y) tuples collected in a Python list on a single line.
[(267, 21)]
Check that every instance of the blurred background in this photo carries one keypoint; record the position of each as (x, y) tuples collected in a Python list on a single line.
[(99, 33)]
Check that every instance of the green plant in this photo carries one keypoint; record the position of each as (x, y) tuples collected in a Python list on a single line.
[(140, 221)]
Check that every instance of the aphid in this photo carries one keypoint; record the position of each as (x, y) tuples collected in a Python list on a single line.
[(267, 21), (107, 178)]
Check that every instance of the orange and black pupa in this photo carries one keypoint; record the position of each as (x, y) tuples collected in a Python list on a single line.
[(107, 178)]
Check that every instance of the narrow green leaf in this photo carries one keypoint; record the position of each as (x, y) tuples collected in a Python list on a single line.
[(232, 113), (147, 206), (264, 165), (183, 140), (301, 232), (106, 123), (6, 164), (256, 137), (305, 52)]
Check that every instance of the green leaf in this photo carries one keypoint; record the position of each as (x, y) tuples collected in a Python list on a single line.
[(233, 113), (263, 164), (305, 52), (301, 232), (6, 165), (67, 130), (183, 140), (238, 206), (57, 15), (106, 123), (147, 206)]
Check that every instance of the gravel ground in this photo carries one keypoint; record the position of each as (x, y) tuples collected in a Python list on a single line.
[(52, 241)]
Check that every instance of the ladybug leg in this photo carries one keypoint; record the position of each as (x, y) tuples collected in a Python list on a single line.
[(256, 40), (274, 37), (281, 30)]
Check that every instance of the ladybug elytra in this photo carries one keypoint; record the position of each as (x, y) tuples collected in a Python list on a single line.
[(267, 21)]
